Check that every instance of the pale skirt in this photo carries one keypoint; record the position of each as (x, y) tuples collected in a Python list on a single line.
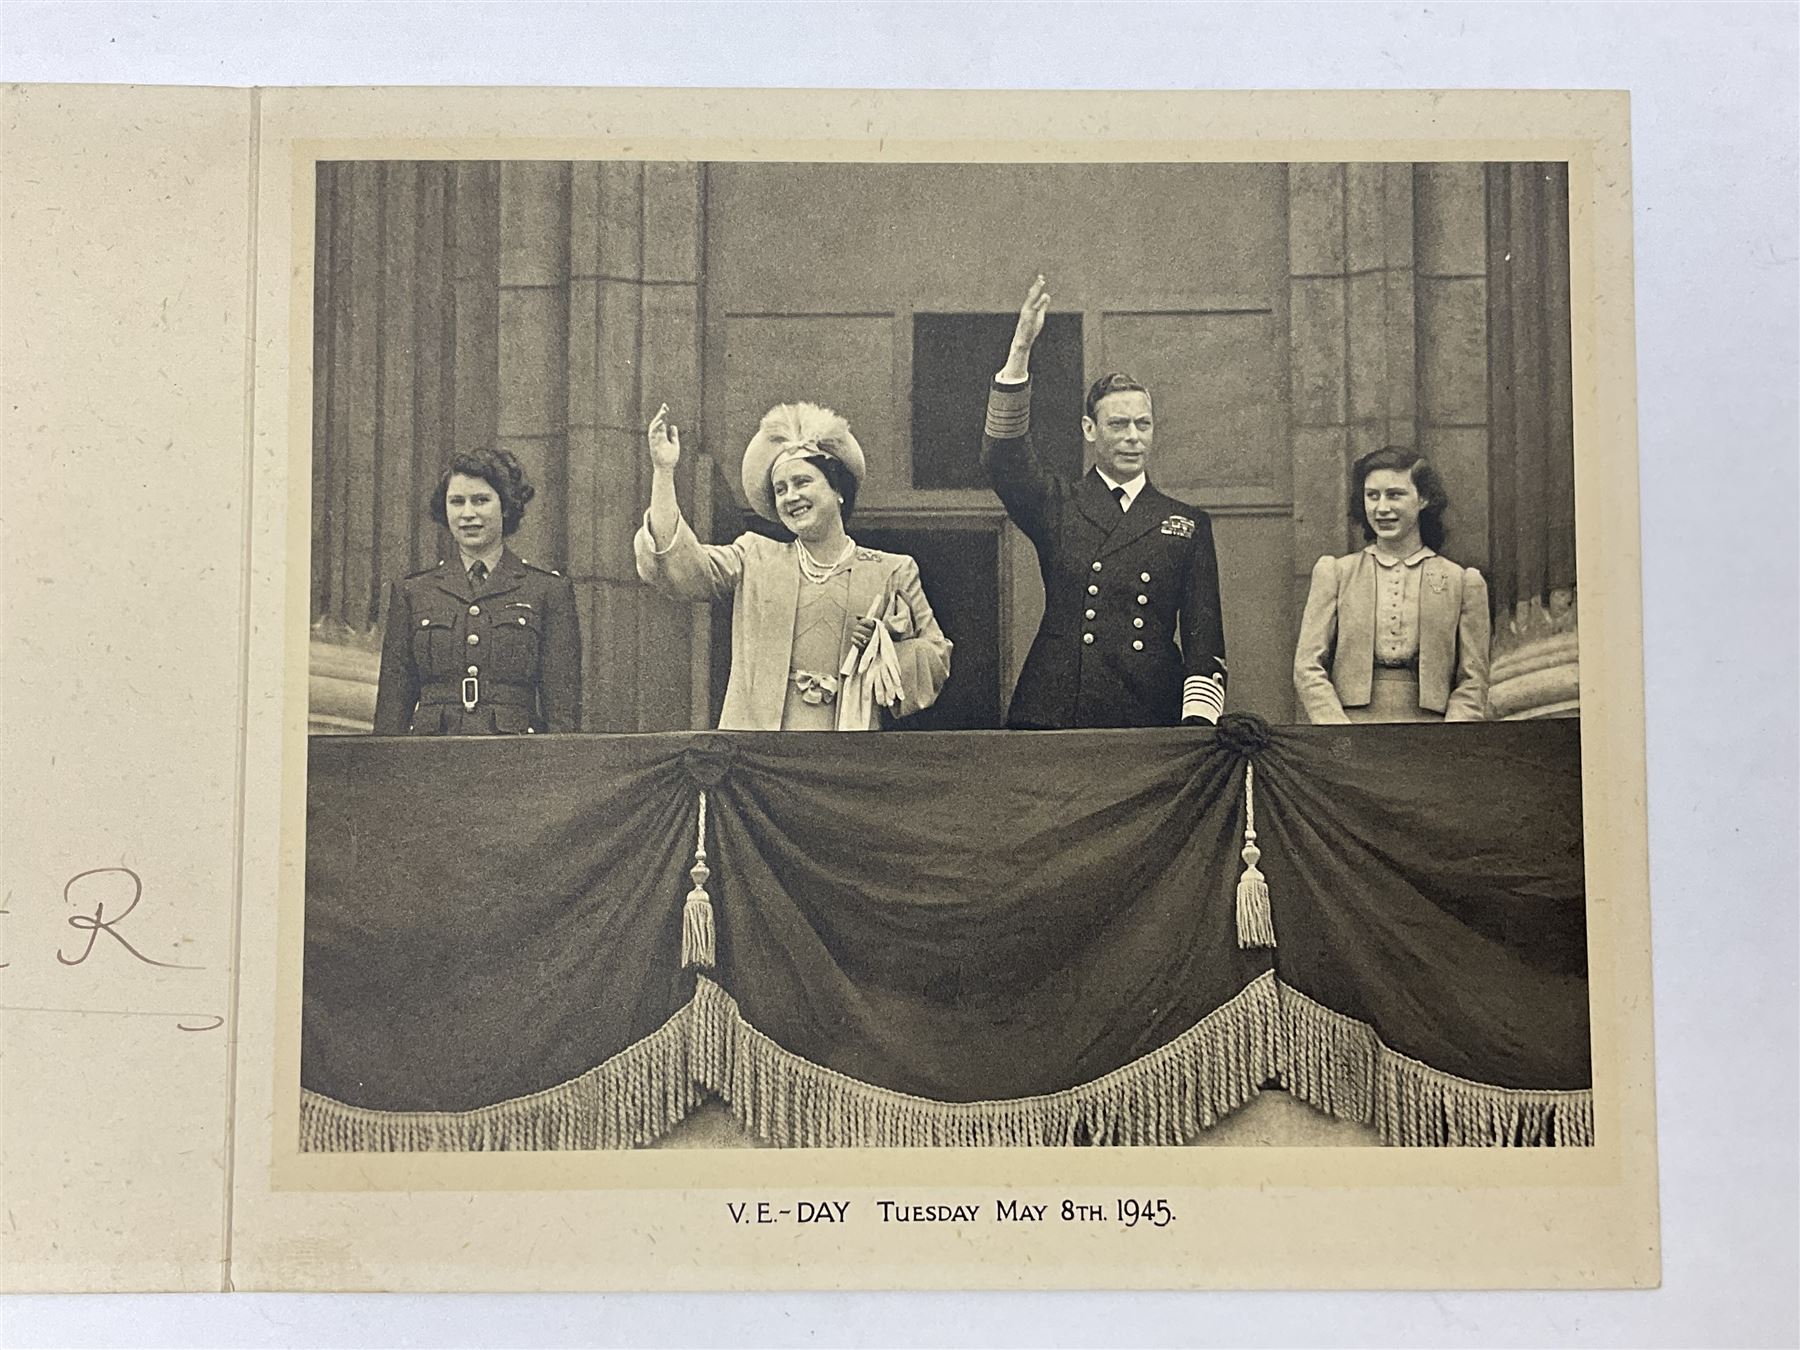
[(1393, 697)]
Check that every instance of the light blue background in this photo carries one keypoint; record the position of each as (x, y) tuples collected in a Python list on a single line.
[(1714, 134)]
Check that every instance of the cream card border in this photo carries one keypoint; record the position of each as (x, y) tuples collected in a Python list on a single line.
[(1252, 1217)]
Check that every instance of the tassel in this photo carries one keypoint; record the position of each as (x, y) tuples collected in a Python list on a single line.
[(697, 940), (698, 943), (1255, 924)]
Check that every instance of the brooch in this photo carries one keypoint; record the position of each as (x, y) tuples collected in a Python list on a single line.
[(814, 689), (1179, 526)]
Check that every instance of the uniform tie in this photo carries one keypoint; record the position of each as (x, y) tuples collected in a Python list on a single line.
[(477, 573), (1119, 497)]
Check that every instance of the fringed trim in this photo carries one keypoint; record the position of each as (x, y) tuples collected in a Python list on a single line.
[(1269, 1031), (1165, 1098), (638, 1095), (1328, 1060), (1338, 1065)]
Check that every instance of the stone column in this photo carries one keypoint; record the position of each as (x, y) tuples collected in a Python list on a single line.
[(1531, 454), (1353, 349), (633, 344), (1453, 347), (532, 358)]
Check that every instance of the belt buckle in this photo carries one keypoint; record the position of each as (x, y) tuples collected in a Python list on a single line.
[(471, 692)]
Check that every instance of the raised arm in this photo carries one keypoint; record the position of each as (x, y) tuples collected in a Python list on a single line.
[(665, 454), (1025, 333), (669, 555), (1006, 449)]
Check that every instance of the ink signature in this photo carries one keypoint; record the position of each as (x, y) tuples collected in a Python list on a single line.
[(100, 923), (97, 924)]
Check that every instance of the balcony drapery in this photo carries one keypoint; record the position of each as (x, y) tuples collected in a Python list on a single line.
[(944, 938)]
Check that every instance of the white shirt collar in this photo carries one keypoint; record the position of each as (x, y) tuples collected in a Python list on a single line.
[(1412, 559), (1132, 486)]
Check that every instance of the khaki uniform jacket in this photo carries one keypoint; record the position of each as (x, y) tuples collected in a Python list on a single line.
[(513, 649)]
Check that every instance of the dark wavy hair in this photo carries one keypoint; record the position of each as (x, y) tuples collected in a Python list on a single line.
[(1424, 478), (1115, 382), (500, 470), (837, 474)]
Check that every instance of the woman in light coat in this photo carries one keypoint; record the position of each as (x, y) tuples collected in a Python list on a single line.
[(1394, 632), (825, 635)]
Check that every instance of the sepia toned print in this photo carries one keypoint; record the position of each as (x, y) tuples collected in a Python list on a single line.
[(497, 1006), (679, 922)]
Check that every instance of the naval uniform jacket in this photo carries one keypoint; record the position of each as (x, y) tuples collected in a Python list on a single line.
[(1118, 587), (503, 658)]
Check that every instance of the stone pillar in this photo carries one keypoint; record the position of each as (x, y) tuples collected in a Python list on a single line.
[(633, 323), (532, 360), (1352, 353), (1379, 309), (1531, 456), (474, 210), (1453, 347)]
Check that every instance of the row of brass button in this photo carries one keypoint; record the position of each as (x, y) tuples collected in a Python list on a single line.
[(1094, 589)]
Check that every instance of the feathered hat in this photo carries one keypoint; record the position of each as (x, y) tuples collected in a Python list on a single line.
[(795, 429)]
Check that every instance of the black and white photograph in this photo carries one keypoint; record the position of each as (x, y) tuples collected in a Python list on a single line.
[(1200, 538)]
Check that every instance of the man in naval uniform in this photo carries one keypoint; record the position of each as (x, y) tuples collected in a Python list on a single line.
[(1125, 567)]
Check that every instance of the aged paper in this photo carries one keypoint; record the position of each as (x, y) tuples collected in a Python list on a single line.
[(665, 1218), (128, 246)]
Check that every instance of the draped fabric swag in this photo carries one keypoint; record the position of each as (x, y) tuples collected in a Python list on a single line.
[(943, 938)]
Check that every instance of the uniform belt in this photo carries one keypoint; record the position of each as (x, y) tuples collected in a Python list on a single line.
[(491, 691)]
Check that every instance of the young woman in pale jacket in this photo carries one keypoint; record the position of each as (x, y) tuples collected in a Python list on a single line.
[(1394, 632)]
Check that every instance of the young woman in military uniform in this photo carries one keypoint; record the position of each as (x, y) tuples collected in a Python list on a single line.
[(484, 643)]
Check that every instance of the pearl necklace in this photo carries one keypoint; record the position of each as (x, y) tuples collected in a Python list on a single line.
[(817, 572)]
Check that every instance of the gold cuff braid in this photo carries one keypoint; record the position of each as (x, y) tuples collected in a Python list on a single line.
[(1008, 412)]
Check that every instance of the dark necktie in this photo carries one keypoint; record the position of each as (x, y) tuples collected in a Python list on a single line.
[(1119, 497), (477, 573)]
